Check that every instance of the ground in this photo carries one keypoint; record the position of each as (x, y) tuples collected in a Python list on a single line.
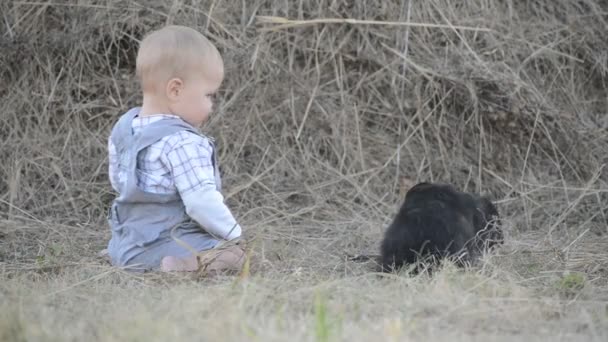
[(321, 127)]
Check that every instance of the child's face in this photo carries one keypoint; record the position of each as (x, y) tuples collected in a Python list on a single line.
[(193, 99)]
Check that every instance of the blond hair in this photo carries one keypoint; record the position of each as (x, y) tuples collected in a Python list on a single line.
[(173, 51)]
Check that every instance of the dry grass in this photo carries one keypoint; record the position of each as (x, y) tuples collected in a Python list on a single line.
[(318, 125)]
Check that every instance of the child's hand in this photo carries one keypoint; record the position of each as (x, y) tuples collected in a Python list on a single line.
[(239, 241)]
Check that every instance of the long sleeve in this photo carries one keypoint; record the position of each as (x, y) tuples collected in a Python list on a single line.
[(190, 163), (206, 206)]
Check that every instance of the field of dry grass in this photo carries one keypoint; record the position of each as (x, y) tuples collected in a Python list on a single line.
[(319, 123)]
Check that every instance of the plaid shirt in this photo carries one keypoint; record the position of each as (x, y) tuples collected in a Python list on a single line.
[(180, 162)]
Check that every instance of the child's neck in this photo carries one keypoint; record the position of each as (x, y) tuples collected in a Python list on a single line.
[(152, 104)]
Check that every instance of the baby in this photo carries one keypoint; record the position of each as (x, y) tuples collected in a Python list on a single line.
[(169, 207)]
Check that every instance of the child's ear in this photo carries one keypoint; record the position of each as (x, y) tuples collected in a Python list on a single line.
[(174, 88)]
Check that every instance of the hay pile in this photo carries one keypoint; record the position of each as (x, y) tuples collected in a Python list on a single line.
[(318, 123)]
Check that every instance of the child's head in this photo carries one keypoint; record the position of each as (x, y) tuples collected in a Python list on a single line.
[(181, 68)]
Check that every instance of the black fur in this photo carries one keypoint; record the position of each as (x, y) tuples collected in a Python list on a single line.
[(438, 221)]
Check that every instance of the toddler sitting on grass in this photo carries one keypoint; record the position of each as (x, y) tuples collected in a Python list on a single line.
[(169, 210)]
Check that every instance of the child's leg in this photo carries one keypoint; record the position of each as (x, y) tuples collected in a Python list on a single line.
[(228, 259), (183, 259)]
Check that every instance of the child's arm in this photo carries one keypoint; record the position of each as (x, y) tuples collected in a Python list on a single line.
[(190, 162), (206, 206)]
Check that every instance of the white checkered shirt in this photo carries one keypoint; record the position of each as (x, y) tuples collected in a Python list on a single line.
[(180, 162)]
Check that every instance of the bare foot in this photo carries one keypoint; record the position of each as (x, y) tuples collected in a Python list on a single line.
[(175, 264), (229, 260)]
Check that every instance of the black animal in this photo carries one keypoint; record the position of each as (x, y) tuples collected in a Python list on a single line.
[(437, 221)]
